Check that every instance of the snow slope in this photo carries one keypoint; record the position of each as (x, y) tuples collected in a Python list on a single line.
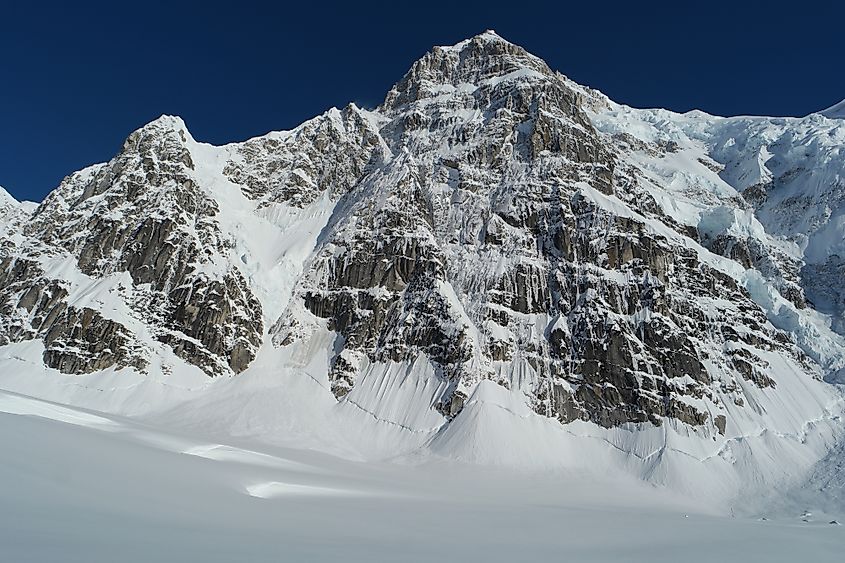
[(295, 409), (89, 488)]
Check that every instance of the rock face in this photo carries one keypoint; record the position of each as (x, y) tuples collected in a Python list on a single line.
[(326, 154), (490, 220), (504, 240), (144, 214), (76, 340)]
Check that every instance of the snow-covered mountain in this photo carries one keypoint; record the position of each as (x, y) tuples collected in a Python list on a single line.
[(495, 265)]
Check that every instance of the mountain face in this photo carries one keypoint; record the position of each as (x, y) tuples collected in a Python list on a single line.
[(490, 221)]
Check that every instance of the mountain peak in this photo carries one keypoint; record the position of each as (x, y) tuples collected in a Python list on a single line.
[(164, 131), (470, 62), (165, 122), (6, 198), (486, 36)]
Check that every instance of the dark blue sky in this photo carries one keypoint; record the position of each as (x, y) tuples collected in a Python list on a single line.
[(76, 80)]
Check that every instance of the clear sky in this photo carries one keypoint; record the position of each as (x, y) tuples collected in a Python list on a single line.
[(77, 77)]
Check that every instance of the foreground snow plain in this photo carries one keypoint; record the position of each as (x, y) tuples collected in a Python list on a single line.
[(79, 485)]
